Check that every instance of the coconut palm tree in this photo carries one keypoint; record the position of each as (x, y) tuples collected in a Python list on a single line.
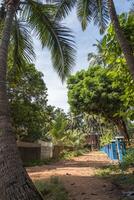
[(14, 180), (124, 44), (100, 11), (97, 58)]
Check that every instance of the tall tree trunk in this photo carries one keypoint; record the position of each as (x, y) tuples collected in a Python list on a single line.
[(121, 126), (15, 184), (124, 44)]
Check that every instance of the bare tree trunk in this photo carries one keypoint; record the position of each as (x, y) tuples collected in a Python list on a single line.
[(122, 129), (15, 183), (124, 44)]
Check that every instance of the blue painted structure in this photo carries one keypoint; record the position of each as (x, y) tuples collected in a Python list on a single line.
[(116, 149)]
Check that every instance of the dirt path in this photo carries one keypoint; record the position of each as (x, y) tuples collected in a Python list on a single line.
[(78, 176)]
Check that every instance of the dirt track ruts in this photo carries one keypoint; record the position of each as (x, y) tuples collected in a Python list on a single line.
[(79, 177)]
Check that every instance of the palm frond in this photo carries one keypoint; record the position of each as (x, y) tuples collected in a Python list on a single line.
[(95, 59), (63, 8), (100, 14), (84, 12), (55, 36), (21, 45), (48, 8)]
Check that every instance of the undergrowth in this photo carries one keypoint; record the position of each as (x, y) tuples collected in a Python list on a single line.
[(33, 163), (52, 189), (67, 155), (116, 174)]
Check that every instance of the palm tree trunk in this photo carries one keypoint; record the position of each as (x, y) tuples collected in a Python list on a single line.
[(124, 44), (15, 183)]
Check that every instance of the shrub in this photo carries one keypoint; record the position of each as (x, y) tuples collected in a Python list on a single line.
[(70, 154), (128, 159), (106, 138), (52, 189)]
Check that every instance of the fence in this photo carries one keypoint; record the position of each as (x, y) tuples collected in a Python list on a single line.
[(40, 151), (116, 149)]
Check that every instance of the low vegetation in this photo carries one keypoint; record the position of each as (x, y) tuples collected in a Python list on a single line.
[(52, 189), (122, 173), (33, 163), (67, 155), (64, 155), (128, 160)]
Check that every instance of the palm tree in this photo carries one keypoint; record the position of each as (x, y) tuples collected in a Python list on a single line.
[(124, 44), (14, 180), (97, 58), (99, 11)]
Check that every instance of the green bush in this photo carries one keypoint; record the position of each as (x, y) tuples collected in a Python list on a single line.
[(106, 138), (52, 189), (67, 155), (128, 159)]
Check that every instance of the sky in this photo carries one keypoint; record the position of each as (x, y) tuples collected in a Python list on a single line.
[(57, 92)]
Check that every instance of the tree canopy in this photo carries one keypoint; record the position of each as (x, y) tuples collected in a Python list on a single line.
[(99, 91), (109, 55), (28, 101)]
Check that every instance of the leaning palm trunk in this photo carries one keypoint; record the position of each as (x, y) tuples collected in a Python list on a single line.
[(124, 44), (15, 183)]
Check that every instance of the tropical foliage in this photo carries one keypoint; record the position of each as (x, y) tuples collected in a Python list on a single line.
[(106, 138), (100, 12), (51, 33), (109, 55), (109, 52), (99, 91), (28, 101), (58, 127)]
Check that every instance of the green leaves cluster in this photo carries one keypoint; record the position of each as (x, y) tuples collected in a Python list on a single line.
[(58, 128), (106, 88), (106, 138), (28, 101), (109, 53), (110, 49), (100, 91), (92, 91)]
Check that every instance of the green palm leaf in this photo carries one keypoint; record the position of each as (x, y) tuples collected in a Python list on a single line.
[(63, 7), (21, 44), (84, 12), (56, 37), (100, 14)]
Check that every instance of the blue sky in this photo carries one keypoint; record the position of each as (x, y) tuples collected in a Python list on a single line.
[(57, 92)]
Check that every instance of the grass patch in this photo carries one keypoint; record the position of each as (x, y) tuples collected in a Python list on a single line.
[(122, 174), (52, 189), (33, 163), (124, 179), (128, 159), (116, 174), (108, 171)]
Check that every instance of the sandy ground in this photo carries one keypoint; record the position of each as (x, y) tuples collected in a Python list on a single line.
[(79, 177)]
